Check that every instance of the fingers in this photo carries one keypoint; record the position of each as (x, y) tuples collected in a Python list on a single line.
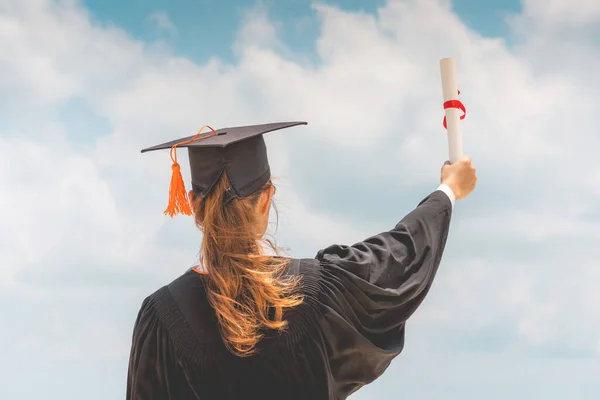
[(464, 160)]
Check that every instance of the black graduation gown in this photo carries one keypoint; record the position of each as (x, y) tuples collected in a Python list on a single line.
[(344, 335)]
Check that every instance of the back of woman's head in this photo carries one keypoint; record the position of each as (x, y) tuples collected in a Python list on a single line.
[(247, 289)]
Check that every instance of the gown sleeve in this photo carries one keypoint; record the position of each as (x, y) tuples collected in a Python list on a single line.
[(370, 289), (154, 372)]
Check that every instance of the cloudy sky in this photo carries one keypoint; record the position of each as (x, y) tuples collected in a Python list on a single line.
[(84, 85)]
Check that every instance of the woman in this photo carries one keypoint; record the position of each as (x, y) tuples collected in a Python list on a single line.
[(244, 325)]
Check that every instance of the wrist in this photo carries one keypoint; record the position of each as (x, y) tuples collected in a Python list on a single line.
[(449, 192), (453, 187)]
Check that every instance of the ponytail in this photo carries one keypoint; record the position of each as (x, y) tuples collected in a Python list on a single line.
[(245, 287)]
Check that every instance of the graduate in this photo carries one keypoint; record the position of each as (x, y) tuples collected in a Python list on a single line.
[(246, 325)]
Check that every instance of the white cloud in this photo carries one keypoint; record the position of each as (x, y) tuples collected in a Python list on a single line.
[(557, 13), (84, 228), (162, 21)]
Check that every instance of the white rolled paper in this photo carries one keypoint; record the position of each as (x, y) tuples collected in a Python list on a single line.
[(450, 92)]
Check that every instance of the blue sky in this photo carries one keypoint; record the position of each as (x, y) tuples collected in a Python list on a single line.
[(207, 28), (85, 85)]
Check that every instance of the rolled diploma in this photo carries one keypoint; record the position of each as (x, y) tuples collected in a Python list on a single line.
[(450, 92)]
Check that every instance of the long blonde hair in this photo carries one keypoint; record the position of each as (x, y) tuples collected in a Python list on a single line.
[(245, 287)]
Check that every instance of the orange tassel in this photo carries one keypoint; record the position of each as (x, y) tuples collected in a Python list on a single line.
[(178, 199)]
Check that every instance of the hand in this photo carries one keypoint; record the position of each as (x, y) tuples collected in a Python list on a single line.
[(460, 177)]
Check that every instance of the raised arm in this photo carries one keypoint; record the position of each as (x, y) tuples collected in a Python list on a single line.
[(413, 247), (370, 289)]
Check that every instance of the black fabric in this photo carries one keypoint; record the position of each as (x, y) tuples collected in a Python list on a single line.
[(344, 336), (246, 164), (239, 151)]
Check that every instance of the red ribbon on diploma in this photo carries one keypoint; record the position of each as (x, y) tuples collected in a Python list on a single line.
[(455, 104)]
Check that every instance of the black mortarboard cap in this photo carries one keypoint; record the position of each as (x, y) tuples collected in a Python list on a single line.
[(239, 151)]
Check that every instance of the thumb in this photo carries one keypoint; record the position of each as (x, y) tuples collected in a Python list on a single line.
[(447, 163)]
